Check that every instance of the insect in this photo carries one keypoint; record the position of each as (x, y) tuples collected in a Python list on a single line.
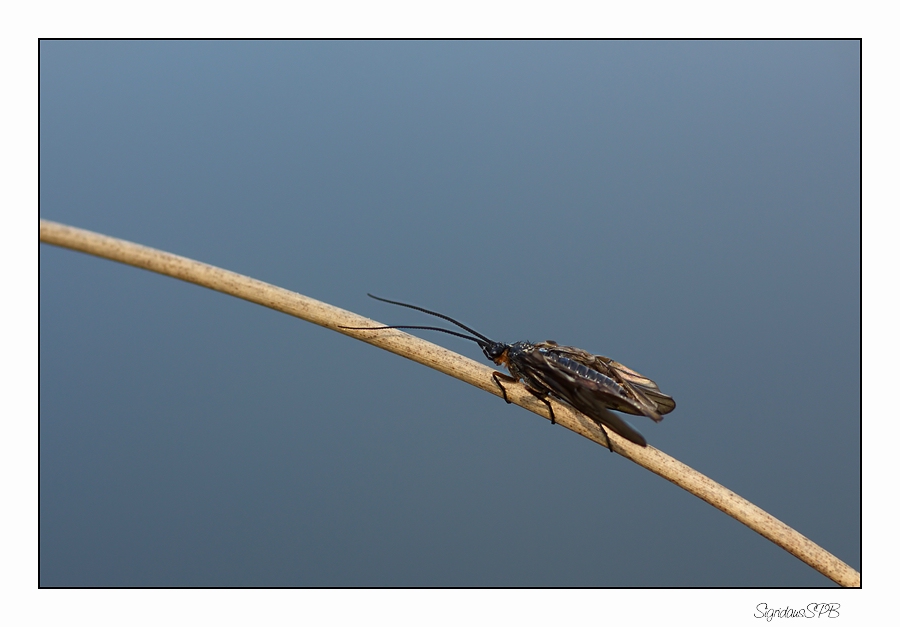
[(590, 383)]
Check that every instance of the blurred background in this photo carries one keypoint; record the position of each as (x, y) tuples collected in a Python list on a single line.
[(691, 209)]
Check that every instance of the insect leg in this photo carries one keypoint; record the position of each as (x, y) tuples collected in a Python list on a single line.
[(606, 435), (498, 376), (543, 399)]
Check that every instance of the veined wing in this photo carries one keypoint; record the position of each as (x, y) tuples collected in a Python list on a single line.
[(591, 392), (642, 395), (644, 386)]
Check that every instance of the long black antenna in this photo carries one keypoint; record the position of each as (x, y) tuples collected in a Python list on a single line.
[(481, 343), (439, 315)]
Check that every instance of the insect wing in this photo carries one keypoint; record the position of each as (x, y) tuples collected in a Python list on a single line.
[(644, 394), (644, 388), (593, 400), (615, 390), (611, 420), (592, 396)]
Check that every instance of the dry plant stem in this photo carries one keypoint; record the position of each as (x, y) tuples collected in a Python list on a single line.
[(454, 365)]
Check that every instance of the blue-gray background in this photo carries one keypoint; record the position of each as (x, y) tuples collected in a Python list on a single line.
[(691, 209)]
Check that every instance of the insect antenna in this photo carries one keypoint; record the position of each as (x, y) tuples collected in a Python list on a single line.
[(480, 342), (439, 315), (491, 348)]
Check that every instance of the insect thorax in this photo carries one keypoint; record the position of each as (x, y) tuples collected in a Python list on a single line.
[(517, 354)]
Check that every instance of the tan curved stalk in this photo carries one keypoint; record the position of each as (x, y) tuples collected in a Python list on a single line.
[(454, 365)]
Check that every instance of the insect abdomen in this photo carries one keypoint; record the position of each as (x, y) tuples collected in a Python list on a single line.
[(583, 371)]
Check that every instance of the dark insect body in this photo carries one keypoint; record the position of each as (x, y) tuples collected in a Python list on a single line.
[(590, 383)]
